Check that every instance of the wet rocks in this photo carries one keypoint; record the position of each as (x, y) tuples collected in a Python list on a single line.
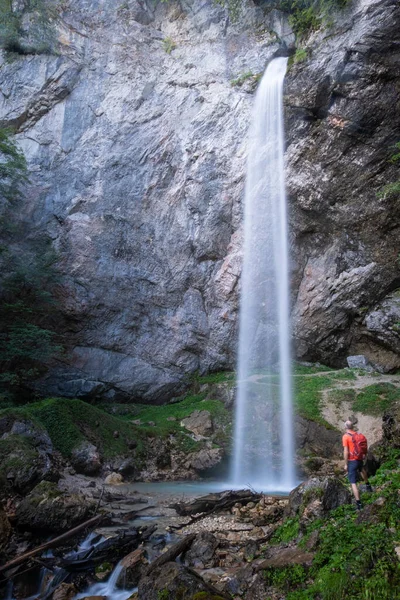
[(174, 581), (284, 557), (85, 459), (204, 459), (134, 566), (65, 591), (47, 509), (201, 554)]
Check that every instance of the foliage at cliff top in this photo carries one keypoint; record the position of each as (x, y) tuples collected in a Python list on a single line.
[(27, 27)]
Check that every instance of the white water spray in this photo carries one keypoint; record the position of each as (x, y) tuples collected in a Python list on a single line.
[(263, 450)]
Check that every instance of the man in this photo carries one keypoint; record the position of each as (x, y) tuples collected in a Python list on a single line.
[(354, 455)]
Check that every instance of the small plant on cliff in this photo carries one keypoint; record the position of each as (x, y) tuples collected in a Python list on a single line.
[(391, 190), (169, 45), (13, 170)]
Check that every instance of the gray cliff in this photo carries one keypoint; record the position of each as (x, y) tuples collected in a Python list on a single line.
[(136, 143)]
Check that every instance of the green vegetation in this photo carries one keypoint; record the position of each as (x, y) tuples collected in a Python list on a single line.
[(69, 422), (300, 369), (376, 399), (306, 16), (220, 377), (286, 532), (169, 45), (27, 27), (355, 554), (239, 81), (391, 190), (13, 170), (27, 303), (167, 419), (308, 397)]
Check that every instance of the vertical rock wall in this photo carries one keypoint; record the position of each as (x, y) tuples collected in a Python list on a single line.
[(136, 143)]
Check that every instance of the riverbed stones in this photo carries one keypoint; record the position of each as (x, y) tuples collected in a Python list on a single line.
[(134, 566), (65, 591), (201, 553)]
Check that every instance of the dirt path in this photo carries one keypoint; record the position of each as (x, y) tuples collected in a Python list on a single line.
[(336, 413)]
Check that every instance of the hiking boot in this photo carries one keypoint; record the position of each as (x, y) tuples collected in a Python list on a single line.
[(358, 504), (368, 487)]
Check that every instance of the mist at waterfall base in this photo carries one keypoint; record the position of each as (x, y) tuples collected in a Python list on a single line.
[(263, 451)]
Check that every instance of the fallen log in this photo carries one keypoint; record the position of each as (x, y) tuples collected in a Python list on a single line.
[(172, 553), (52, 543), (215, 502)]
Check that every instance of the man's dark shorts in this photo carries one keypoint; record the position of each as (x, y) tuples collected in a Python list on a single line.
[(353, 468)]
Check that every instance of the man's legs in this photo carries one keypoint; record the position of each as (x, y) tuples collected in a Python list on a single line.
[(353, 467), (364, 475)]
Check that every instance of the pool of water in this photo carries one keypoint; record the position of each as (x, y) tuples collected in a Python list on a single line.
[(195, 488)]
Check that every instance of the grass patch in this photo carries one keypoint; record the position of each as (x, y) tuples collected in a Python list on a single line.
[(347, 374), (299, 369), (288, 531), (308, 397), (375, 399), (221, 377), (69, 422), (339, 396), (357, 556)]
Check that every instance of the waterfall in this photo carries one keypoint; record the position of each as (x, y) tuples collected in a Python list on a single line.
[(263, 453)]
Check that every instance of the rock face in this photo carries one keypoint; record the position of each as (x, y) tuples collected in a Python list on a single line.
[(136, 143), (46, 509), (316, 497)]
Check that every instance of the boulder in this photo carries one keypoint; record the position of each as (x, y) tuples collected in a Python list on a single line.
[(65, 591), (204, 459), (85, 459), (199, 423), (175, 582), (134, 565), (314, 438), (114, 479), (285, 557), (360, 362), (317, 497), (201, 553), (47, 509)]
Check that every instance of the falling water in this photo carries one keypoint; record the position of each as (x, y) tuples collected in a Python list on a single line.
[(263, 442)]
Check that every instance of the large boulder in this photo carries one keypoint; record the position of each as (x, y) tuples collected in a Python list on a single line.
[(201, 553), (175, 582), (314, 438), (204, 459), (199, 423), (27, 455), (316, 497), (85, 459), (47, 509)]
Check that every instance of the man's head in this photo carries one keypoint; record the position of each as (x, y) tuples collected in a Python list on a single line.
[(349, 424)]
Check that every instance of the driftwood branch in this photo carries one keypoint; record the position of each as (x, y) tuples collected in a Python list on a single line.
[(172, 553), (51, 544)]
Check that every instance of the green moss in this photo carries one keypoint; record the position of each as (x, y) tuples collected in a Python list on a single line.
[(220, 377), (286, 577), (376, 399), (16, 452), (357, 555), (310, 370), (239, 81), (340, 396), (289, 530), (308, 397), (69, 422)]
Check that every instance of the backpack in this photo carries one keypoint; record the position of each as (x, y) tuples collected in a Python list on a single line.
[(360, 446)]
